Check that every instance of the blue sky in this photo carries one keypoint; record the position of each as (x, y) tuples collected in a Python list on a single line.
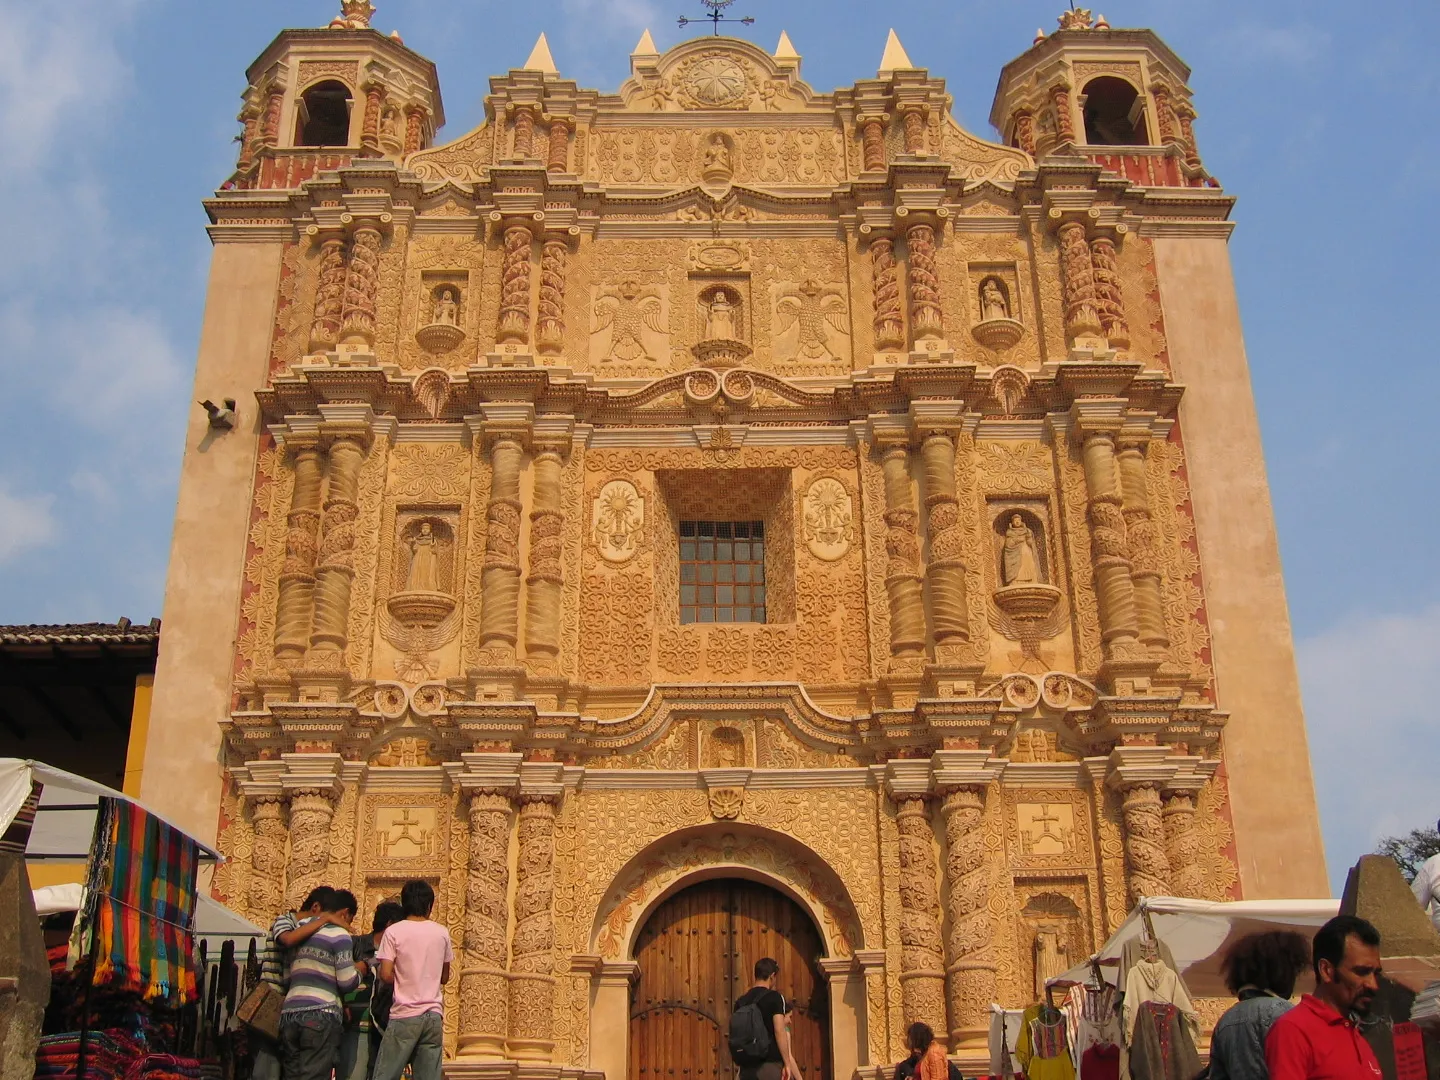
[(116, 119)]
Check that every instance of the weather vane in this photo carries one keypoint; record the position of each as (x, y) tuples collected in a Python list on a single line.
[(715, 18)]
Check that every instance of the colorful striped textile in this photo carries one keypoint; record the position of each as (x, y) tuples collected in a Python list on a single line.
[(145, 905)]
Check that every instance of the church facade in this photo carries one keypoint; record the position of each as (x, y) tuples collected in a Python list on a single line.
[(719, 519)]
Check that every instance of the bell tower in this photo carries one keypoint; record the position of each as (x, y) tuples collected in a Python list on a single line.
[(320, 99), (1118, 97)]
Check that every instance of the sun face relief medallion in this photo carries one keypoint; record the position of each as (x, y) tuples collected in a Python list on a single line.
[(714, 82)]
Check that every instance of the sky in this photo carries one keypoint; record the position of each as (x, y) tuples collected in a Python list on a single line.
[(117, 118)]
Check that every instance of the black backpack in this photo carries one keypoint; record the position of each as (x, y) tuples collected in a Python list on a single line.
[(750, 1042)]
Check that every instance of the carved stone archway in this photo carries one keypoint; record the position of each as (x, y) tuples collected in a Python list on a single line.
[(733, 850)]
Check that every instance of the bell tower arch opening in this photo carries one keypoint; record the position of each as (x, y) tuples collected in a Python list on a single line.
[(696, 953), (1114, 113), (323, 115)]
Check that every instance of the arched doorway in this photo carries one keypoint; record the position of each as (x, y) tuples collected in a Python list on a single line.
[(696, 953)]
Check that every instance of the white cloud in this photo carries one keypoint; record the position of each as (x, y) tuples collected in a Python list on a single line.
[(25, 522), (1375, 746)]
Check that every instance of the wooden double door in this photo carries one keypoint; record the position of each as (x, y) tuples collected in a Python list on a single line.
[(697, 954)]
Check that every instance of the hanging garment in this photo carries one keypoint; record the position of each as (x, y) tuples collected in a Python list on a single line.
[(1101, 1062), (1163, 1048), (1154, 980), (144, 897), (1042, 1053), (1092, 1019)]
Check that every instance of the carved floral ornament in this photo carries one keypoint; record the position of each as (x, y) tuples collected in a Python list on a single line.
[(616, 520)]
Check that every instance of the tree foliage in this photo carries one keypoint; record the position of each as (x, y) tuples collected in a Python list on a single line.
[(1411, 850)]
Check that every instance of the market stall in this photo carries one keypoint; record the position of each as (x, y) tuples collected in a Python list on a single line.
[(144, 972), (1129, 1009)]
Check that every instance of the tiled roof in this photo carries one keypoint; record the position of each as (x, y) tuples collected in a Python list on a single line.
[(123, 632)]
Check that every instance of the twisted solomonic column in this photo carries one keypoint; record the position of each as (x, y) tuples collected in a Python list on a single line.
[(544, 585), (484, 985), (1142, 541), (500, 573), (1115, 592), (558, 158), (1077, 277), (971, 969), (1144, 840), (532, 978), (329, 291), (902, 547), (1182, 843), (889, 323), (925, 320), (330, 621), (514, 322), (270, 125), (913, 118), (1064, 122), (550, 325), (1109, 302), (872, 141), (523, 130), (1025, 131), (362, 284), (950, 615), (266, 897), (370, 127), (311, 811), (294, 607), (922, 961)]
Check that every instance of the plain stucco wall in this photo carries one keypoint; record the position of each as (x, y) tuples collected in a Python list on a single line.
[(181, 778), (1267, 755)]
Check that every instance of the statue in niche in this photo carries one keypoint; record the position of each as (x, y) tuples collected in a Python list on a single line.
[(1052, 956), (717, 155), (720, 318), (447, 308), (726, 749), (1019, 564), (390, 124), (993, 304), (424, 573)]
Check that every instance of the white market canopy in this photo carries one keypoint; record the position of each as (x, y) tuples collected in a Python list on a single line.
[(1198, 934), (214, 922), (65, 820)]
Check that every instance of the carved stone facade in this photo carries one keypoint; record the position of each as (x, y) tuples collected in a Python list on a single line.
[(719, 477)]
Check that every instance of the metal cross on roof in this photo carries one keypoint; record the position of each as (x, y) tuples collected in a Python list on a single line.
[(715, 7)]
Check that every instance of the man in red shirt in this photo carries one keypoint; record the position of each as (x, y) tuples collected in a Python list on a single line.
[(1318, 1039)]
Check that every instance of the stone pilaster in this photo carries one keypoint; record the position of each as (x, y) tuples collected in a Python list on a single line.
[(532, 977), (329, 632), (294, 607), (270, 126), (902, 546), (922, 961), (1115, 592), (514, 321), (1109, 302), (1077, 277), (872, 141), (550, 324), (488, 783), (885, 275), (1166, 121), (962, 777), (1185, 112), (362, 282), (924, 278), (1142, 545), (544, 585), (329, 291)]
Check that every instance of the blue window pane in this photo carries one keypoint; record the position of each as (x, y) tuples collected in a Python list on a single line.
[(687, 571), (687, 614), (759, 594), (707, 550), (707, 594), (706, 615), (707, 573), (725, 572), (724, 551)]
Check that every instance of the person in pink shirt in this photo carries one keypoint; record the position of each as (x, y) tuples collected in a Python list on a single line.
[(415, 956)]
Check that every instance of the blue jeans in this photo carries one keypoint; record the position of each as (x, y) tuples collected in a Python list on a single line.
[(356, 1054), (417, 1041)]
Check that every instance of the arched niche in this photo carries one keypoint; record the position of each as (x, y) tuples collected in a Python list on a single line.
[(1114, 113), (322, 115)]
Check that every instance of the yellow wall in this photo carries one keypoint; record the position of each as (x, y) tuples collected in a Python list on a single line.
[(139, 733)]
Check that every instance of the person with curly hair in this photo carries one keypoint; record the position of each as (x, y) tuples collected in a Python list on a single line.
[(1260, 970)]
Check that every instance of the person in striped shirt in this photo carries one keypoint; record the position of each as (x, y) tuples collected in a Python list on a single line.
[(321, 972), (289, 930)]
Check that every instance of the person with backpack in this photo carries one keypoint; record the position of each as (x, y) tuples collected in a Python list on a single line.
[(760, 1029)]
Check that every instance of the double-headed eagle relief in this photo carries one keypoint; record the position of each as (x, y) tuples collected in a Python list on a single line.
[(629, 323), (811, 323)]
